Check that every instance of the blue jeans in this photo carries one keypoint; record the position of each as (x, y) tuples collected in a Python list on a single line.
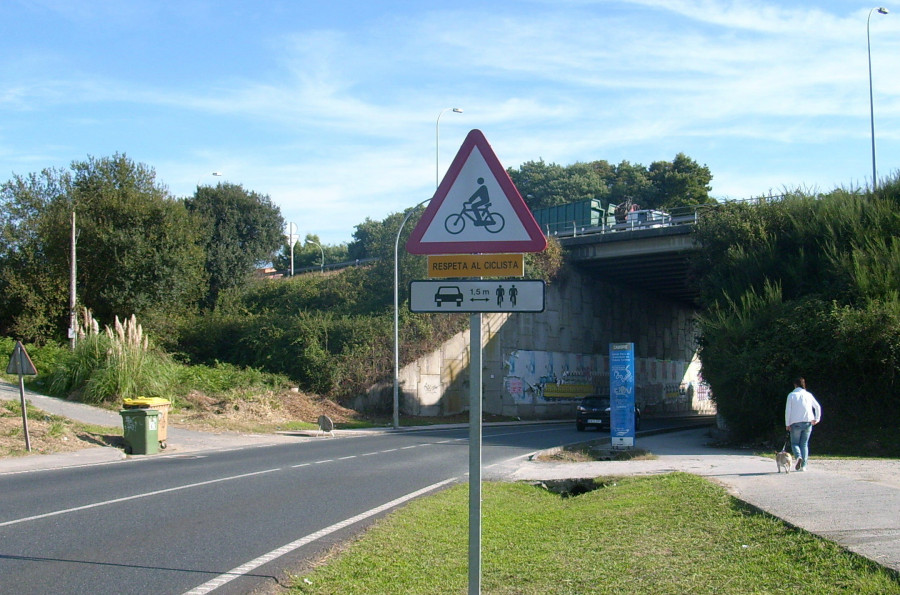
[(800, 432)]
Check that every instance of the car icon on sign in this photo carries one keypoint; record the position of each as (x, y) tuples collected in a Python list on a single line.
[(448, 293)]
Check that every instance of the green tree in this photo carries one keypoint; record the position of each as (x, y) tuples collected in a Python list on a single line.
[(631, 185), (138, 251), (546, 185), (680, 182), (307, 254), (665, 185), (806, 284), (240, 230), (378, 239), (312, 250), (33, 277), (368, 238)]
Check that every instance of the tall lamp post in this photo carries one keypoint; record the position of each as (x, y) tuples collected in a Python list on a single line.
[(437, 143), (437, 181), (879, 10), (292, 227), (397, 315), (308, 241)]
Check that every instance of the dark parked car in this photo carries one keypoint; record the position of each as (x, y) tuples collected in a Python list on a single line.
[(594, 411)]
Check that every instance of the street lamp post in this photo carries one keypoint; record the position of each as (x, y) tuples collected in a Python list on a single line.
[(437, 181), (437, 143), (397, 315), (879, 10), (291, 229), (308, 241)]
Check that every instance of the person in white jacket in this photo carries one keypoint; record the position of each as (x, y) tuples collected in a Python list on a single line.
[(801, 413)]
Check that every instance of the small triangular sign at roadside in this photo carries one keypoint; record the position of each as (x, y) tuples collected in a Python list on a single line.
[(476, 209), (20, 363)]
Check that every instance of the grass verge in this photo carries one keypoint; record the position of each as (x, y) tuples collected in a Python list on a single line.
[(48, 434), (595, 450), (674, 533)]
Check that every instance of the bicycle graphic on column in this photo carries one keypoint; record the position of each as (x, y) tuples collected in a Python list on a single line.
[(477, 210)]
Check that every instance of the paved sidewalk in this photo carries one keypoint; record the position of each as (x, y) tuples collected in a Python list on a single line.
[(854, 503)]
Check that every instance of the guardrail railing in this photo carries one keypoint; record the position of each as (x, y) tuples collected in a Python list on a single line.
[(677, 216), (672, 218)]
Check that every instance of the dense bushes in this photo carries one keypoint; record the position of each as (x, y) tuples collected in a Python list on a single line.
[(805, 285), (45, 357), (314, 330), (330, 334), (115, 364), (120, 362)]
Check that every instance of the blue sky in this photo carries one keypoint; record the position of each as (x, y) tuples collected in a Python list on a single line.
[(330, 108)]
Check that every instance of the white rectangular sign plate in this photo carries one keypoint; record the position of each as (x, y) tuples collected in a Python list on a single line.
[(476, 296)]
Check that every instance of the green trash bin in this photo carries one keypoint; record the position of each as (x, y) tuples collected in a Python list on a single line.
[(141, 431), (161, 405)]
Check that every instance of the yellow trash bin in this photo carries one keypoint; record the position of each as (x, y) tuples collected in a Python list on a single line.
[(157, 404)]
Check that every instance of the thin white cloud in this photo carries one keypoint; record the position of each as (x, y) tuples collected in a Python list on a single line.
[(343, 120)]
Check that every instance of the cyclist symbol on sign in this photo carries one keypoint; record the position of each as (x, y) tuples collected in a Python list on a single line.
[(477, 210)]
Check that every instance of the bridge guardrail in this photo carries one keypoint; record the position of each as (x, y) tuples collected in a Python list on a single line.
[(677, 217)]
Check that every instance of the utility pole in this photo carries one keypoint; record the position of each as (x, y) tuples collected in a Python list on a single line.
[(73, 313)]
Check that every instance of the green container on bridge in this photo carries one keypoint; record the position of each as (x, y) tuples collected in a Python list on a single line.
[(141, 430), (571, 216)]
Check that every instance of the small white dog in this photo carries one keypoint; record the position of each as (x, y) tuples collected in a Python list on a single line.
[(784, 459)]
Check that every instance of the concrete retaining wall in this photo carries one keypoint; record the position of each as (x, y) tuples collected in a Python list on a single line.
[(530, 359)]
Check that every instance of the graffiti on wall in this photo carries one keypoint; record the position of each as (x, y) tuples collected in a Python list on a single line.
[(534, 377)]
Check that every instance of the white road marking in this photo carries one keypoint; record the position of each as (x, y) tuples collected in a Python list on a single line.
[(286, 549), (131, 498)]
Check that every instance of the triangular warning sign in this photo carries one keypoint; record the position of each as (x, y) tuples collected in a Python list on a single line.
[(476, 209), (19, 362)]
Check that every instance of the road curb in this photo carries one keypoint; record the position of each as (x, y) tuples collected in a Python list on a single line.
[(604, 441)]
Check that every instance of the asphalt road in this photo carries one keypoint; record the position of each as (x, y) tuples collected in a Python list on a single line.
[(231, 521)]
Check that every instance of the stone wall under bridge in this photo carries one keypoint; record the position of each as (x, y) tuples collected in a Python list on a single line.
[(536, 366)]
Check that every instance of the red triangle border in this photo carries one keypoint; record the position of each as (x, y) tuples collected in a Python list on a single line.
[(536, 242)]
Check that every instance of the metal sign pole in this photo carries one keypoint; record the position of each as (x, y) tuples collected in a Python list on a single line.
[(477, 173), (21, 364), (475, 454), (22, 368)]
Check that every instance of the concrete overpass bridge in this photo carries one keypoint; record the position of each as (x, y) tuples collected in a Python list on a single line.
[(630, 283), (653, 259)]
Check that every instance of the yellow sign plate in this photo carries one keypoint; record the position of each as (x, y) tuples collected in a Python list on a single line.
[(476, 265)]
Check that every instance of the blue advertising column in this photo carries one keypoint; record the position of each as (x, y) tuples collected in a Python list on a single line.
[(621, 394)]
